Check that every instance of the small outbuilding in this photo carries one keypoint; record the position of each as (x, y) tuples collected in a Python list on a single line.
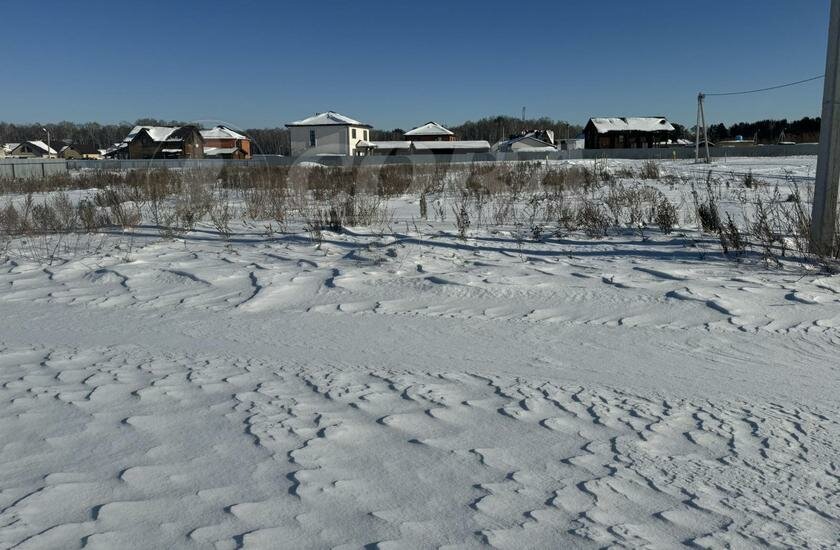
[(431, 131), (626, 132), (531, 142)]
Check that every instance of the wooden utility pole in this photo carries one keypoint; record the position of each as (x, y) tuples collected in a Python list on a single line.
[(702, 99), (701, 120), (824, 213)]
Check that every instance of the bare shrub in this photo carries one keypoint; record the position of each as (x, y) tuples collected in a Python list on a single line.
[(749, 181), (462, 217), (221, 213), (44, 219), (649, 170), (65, 211), (666, 215), (10, 220), (122, 210), (592, 218), (87, 216), (730, 237), (394, 180)]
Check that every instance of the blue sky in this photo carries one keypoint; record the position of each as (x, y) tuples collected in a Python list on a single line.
[(394, 64)]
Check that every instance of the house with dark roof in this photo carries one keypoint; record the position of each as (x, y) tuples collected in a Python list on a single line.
[(160, 142), (626, 132), (327, 133), (79, 151)]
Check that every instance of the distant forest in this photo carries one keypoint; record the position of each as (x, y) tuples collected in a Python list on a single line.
[(805, 130), (274, 141)]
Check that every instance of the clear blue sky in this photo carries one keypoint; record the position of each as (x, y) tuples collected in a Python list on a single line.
[(400, 64)]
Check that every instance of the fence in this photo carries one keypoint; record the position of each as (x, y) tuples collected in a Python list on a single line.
[(31, 168), (682, 153), (39, 168)]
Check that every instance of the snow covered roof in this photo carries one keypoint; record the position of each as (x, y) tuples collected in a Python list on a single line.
[(221, 132), (532, 143), (10, 146), (330, 118), (636, 124), (445, 145), (390, 144), (157, 133), (430, 129), (40, 145), (214, 151)]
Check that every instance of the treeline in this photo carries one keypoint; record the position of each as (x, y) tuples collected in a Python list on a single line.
[(804, 130)]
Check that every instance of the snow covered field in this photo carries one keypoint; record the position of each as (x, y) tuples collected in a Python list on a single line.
[(413, 390)]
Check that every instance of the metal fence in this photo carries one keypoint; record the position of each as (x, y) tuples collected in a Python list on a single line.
[(682, 153), (40, 168), (31, 168)]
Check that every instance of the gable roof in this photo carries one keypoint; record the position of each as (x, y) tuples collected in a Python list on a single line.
[(635, 124), (430, 129), (159, 133), (532, 141), (81, 148), (330, 118), (221, 132), (39, 144)]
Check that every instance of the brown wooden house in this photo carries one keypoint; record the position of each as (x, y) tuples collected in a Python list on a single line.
[(162, 142), (626, 132)]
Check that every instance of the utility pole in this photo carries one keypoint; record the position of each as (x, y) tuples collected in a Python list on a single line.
[(697, 132), (824, 213), (701, 119), (49, 155), (705, 129)]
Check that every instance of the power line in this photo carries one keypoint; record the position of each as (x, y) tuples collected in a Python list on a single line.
[(770, 88)]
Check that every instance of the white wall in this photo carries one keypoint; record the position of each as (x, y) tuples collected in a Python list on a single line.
[(361, 134), (329, 140)]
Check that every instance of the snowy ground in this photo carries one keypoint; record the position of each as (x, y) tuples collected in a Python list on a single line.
[(414, 391)]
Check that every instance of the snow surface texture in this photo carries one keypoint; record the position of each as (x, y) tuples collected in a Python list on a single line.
[(415, 391)]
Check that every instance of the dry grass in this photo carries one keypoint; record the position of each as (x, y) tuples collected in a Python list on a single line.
[(532, 198)]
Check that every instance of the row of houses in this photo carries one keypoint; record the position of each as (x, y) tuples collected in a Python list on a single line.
[(147, 142), (332, 133), (169, 142)]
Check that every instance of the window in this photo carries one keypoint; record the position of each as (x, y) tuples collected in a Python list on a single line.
[(312, 138), (366, 135), (353, 133)]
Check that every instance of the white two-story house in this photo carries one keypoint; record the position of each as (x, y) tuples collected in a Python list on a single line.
[(327, 133)]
